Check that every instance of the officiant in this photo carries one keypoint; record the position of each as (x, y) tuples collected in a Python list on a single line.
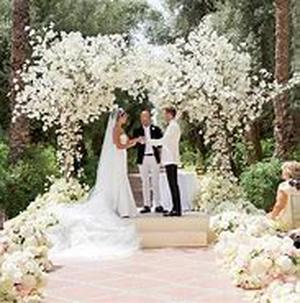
[(148, 160)]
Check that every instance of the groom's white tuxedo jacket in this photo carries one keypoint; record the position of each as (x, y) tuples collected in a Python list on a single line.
[(170, 144)]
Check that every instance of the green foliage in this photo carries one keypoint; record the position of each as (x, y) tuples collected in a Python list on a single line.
[(240, 157), (189, 155), (268, 147), (21, 183), (91, 17), (260, 182), (90, 164), (4, 151), (156, 28), (252, 23), (189, 13), (296, 154), (240, 154)]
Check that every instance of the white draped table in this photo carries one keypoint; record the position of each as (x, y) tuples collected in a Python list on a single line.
[(188, 185)]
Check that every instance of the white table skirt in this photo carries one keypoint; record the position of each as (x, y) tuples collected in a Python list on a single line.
[(188, 186)]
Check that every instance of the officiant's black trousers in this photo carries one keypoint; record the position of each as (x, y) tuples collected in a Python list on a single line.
[(172, 176)]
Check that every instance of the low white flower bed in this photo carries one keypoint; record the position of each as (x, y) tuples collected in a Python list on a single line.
[(24, 245)]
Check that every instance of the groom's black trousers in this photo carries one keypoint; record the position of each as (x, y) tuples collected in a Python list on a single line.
[(172, 175)]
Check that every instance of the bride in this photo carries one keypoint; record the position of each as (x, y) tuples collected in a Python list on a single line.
[(95, 229)]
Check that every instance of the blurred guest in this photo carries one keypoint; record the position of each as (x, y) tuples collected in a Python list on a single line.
[(285, 209)]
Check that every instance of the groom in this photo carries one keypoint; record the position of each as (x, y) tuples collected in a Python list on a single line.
[(170, 157)]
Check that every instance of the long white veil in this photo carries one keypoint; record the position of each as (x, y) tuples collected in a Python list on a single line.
[(105, 171), (107, 151), (93, 230)]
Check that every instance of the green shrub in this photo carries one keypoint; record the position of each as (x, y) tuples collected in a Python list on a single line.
[(296, 154), (260, 182), (25, 180), (90, 170), (189, 155), (268, 147), (4, 171), (240, 157)]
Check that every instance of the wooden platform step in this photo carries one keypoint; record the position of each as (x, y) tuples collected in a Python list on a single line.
[(190, 230)]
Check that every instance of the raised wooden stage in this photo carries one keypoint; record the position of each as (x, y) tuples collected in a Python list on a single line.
[(156, 231)]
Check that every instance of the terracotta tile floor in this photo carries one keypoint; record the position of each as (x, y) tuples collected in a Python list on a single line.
[(154, 276)]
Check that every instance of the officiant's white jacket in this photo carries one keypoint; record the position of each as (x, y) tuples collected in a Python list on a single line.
[(170, 144)]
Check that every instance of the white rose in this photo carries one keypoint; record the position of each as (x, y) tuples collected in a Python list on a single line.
[(29, 281), (260, 265), (285, 264)]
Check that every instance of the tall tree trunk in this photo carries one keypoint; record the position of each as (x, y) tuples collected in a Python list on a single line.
[(283, 130), (253, 143), (295, 62), (19, 135)]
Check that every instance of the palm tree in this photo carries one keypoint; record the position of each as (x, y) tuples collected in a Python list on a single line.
[(19, 135), (283, 128)]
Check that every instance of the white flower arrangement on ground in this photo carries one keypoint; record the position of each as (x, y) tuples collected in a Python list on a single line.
[(21, 278), (216, 191), (226, 221), (67, 191), (256, 253), (26, 232), (279, 292), (24, 245), (240, 205), (257, 225), (260, 225), (26, 237), (253, 263)]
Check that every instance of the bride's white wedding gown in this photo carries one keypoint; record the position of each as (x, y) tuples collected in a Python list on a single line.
[(94, 229), (123, 200)]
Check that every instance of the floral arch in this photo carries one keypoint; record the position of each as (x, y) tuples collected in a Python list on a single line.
[(70, 81)]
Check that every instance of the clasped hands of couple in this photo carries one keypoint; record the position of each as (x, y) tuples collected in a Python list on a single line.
[(140, 140)]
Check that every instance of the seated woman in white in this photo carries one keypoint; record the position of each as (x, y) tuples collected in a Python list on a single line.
[(287, 206)]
